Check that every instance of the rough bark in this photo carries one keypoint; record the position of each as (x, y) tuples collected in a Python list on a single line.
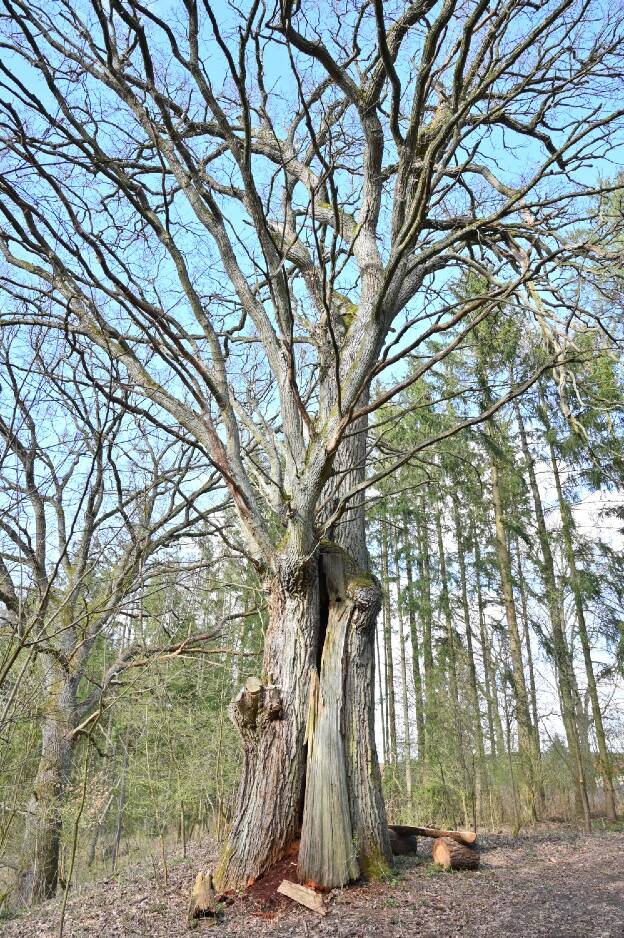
[(271, 720), (308, 732), (344, 827)]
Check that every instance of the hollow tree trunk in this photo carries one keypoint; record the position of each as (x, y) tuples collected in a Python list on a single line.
[(38, 868), (344, 832), (308, 732)]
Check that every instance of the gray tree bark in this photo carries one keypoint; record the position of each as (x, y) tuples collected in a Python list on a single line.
[(38, 868)]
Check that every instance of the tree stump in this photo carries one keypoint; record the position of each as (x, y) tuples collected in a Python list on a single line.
[(452, 855), (203, 900)]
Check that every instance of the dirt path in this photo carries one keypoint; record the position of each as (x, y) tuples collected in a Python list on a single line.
[(558, 884)]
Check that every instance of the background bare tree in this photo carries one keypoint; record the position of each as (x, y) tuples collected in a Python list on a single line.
[(89, 502)]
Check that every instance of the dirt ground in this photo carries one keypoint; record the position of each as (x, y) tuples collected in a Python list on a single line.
[(555, 883)]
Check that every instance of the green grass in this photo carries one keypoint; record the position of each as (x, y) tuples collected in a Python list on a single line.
[(614, 827)]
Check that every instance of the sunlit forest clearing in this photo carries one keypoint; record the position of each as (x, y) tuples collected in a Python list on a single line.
[(311, 468)]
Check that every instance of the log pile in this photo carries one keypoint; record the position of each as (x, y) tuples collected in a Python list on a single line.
[(453, 850)]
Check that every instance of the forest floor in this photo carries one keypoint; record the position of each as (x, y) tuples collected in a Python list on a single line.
[(549, 883)]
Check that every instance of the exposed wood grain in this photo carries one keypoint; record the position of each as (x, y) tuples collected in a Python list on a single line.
[(303, 895)]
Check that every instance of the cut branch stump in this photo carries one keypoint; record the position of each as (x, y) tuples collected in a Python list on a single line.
[(452, 855), (303, 895)]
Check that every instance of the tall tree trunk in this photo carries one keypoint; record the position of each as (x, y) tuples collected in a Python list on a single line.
[(526, 732), (382, 698), (38, 867), (411, 606), (561, 653), (426, 615), (445, 605), (472, 671), (524, 609), (407, 736), (605, 764), (389, 657), (495, 723), (424, 571), (451, 651)]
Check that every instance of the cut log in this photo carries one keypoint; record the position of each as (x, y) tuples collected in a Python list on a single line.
[(303, 895), (462, 837), (402, 844), (453, 855), (203, 900)]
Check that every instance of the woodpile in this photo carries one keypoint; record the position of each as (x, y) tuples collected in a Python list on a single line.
[(453, 850)]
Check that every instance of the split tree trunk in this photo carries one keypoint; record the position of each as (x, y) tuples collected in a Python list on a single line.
[(308, 732), (271, 721)]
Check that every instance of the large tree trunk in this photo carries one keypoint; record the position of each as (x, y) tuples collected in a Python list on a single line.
[(309, 758), (271, 719), (38, 867)]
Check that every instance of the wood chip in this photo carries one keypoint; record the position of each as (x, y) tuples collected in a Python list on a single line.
[(303, 895)]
